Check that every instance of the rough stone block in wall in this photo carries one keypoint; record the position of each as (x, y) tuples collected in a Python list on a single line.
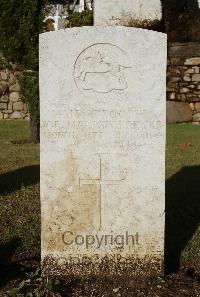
[(178, 112), (183, 76), (3, 106), (11, 103)]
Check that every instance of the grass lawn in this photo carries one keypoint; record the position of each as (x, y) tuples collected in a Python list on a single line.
[(19, 196), (20, 205), (183, 195)]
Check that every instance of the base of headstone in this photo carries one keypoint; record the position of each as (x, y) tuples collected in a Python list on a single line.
[(59, 267)]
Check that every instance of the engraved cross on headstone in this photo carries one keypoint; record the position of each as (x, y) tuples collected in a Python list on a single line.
[(99, 181)]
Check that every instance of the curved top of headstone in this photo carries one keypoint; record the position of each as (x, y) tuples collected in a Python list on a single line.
[(126, 12), (100, 29)]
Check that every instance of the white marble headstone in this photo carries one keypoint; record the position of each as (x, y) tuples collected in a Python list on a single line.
[(102, 98), (121, 12)]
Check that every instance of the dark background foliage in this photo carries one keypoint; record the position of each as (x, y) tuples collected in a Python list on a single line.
[(29, 82), (181, 20), (79, 19), (20, 25)]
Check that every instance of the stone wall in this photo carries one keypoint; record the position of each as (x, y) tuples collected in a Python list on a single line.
[(11, 104), (183, 82)]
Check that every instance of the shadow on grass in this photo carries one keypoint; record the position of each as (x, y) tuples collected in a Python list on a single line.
[(182, 214), (7, 250), (14, 180), (10, 269)]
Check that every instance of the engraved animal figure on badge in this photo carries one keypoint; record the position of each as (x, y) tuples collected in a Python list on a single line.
[(101, 68)]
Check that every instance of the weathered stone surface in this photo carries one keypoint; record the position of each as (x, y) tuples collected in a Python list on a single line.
[(178, 112), (3, 86), (12, 78), (8, 111), (3, 75), (15, 88), (18, 105), (182, 84), (17, 115), (196, 77), (10, 92), (118, 12), (176, 70), (187, 78), (196, 69), (181, 97), (27, 118), (6, 116), (171, 87), (1, 115), (10, 105), (175, 79), (172, 96), (189, 71), (197, 106), (102, 132), (184, 90), (196, 117), (3, 105), (193, 61), (175, 61), (14, 96), (4, 98), (192, 106), (192, 98)]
